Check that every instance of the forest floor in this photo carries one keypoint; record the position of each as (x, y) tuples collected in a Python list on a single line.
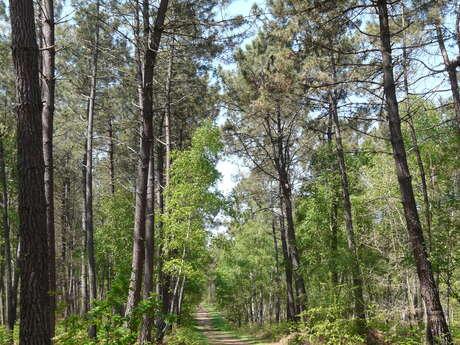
[(215, 336)]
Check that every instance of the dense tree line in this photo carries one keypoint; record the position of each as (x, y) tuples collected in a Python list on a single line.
[(346, 114)]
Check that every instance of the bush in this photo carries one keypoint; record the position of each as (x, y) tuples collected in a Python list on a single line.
[(186, 336), (5, 336), (328, 326), (111, 327)]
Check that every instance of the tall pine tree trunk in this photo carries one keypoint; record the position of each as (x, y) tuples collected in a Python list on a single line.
[(151, 46), (437, 325), (286, 194), (48, 87), (89, 225), (290, 300), (35, 323)]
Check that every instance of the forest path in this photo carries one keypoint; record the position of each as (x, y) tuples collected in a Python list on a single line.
[(215, 336)]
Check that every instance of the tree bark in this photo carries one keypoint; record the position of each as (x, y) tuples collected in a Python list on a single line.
[(35, 323), (48, 95), (151, 45), (437, 325)]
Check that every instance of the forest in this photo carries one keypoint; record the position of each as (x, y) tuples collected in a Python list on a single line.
[(230, 172)]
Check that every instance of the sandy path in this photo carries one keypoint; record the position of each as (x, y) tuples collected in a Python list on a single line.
[(214, 336)]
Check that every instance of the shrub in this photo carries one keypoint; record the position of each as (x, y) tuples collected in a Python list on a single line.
[(186, 336), (327, 325)]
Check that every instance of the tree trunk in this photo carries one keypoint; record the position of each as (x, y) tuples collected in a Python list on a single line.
[(290, 302), (277, 274), (147, 321), (358, 296), (167, 118), (65, 222), (162, 278), (111, 157), (7, 244), (84, 243), (437, 325), (48, 87), (35, 324), (152, 44), (333, 216), (14, 296), (2, 300), (181, 297), (89, 226), (286, 194), (279, 143), (292, 245)]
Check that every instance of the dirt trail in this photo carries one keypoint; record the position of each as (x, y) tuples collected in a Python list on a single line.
[(215, 336)]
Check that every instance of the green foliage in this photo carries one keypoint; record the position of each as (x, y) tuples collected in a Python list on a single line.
[(186, 336), (191, 204), (113, 238), (244, 266), (328, 325), (111, 327), (396, 332), (5, 336)]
